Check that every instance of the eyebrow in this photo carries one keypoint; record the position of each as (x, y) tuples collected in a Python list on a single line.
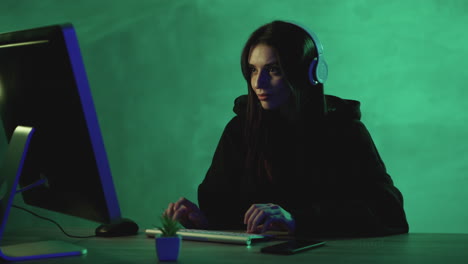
[(275, 63)]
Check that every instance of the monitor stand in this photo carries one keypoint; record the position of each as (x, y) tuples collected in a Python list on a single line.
[(9, 178)]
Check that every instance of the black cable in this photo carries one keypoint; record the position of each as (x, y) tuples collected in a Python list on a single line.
[(50, 220)]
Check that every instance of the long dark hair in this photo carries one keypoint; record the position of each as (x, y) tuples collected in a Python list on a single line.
[(295, 50)]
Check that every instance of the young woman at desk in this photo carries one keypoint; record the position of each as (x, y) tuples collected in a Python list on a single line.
[(292, 158)]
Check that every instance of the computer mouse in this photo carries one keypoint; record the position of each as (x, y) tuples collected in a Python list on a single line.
[(120, 227)]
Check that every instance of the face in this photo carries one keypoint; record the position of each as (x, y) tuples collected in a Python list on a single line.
[(266, 77)]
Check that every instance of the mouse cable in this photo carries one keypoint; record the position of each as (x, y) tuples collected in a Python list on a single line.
[(50, 220)]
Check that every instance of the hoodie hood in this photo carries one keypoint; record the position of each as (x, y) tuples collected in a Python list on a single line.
[(336, 107)]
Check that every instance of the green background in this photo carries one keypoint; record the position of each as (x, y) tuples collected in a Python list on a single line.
[(164, 74)]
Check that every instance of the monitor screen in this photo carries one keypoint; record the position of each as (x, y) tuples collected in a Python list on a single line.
[(43, 85)]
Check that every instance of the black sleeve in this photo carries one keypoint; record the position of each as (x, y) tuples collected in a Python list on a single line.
[(363, 202), (218, 195)]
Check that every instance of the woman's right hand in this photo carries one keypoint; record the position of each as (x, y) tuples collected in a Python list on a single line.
[(187, 213)]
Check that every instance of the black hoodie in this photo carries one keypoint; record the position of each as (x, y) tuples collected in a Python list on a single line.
[(333, 183)]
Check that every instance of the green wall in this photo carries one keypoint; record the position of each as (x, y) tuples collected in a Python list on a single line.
[(164, 74)]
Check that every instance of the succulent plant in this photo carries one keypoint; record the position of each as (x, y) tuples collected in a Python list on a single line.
[(169, 226)]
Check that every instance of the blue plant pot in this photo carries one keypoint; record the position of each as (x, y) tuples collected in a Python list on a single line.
[(167, 248)]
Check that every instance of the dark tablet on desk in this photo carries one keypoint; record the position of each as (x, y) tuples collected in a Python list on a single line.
[(292, 246)]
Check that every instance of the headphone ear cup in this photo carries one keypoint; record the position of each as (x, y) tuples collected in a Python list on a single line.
[(312, 72), (321, 71)]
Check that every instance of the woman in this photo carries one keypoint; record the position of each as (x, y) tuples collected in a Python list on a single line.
[(292, 158)]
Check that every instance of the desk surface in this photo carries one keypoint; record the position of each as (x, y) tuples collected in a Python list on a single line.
[(407, 248)]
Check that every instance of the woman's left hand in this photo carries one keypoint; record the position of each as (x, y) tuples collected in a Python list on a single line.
[(263, 217)]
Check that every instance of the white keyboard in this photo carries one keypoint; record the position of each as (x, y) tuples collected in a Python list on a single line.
[(214, 236)]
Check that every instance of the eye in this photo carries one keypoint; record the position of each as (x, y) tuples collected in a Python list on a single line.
[(274, 70), (252, 69)]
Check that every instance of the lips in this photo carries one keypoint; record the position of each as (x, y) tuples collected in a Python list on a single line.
[(263, 97)]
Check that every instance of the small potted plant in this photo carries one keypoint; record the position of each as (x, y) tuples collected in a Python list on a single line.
[(168, 242)]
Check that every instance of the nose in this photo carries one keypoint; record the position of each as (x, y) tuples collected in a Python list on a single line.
[(260, 80)]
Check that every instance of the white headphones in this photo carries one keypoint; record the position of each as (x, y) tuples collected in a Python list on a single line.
[(318, 69)]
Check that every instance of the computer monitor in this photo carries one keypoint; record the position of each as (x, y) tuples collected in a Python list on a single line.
[(46, 104)]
